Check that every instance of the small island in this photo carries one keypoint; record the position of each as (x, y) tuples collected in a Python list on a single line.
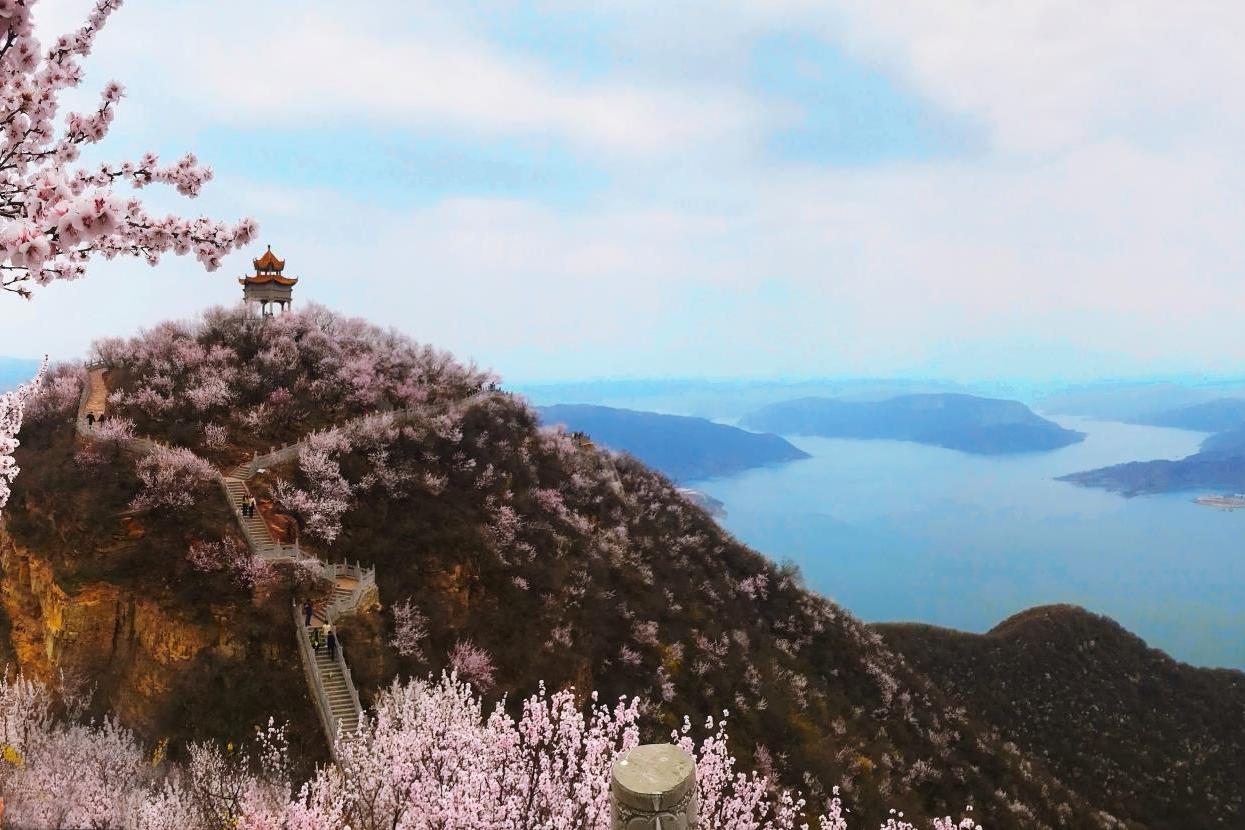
[(683, 448), (984, 426)]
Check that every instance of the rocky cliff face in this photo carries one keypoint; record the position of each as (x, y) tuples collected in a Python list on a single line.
[(134, 647), (208, 671)]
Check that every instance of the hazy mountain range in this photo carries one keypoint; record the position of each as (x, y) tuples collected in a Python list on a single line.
[(681, 447), (986, 426)]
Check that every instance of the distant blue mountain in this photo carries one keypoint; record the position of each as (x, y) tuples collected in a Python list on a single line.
[(1200, 471), (1218, 415), (681, 447), (986, 426), (1218, 465), (1140, 402), (15, 371)]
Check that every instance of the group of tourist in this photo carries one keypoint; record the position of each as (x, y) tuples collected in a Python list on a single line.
[(321, 635), (92, 419), (248, 507)]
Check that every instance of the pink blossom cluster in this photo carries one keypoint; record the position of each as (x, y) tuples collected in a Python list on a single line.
[(12, 409), (115, 430), (59, 393), (170, 477), (327, 495), (473, 664), (428, 756), (410, 629), (54, 216), (276, 380), (231, 557)]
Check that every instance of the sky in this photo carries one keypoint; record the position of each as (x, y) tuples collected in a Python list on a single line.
[(730, 189)]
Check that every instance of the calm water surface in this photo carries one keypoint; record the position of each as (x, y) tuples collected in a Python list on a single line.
[(899, 531)]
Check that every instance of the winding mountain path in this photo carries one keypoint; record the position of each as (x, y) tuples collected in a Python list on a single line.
[(354, 587)]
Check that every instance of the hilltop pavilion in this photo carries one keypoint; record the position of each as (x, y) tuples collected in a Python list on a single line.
[(268, 286)]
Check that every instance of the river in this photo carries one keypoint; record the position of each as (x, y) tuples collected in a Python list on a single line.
[(899, 531)]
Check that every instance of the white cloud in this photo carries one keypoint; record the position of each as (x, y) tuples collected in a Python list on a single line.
[(388, 64), (1100, 219), (1046, 75)]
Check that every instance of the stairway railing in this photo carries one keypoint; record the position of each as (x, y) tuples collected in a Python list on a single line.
[(313, 677)]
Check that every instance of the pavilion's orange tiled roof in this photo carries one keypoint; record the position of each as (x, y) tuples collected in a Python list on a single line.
[(269, 262), (268, 269), (261, 279)]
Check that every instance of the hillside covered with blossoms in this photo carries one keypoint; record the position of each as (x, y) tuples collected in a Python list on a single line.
[(510, 554)]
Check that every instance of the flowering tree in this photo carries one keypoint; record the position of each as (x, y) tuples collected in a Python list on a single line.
[(427, 757), (170, 477), (232, 557), (473, 664), (327, 497), (410, 628), (54, 216), (12, 405)]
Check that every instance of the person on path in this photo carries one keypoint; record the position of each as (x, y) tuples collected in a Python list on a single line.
[(90, 419), (332, 644), (316, 640), (307, 612)]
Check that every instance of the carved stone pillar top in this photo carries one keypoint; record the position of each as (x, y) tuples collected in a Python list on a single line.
[(654, 786)]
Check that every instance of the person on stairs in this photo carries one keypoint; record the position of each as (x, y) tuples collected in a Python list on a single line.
[(307, 609), (332, 640), (90, 419), (316, 640)]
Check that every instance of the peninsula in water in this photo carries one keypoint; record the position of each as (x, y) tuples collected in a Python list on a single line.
[(1210, 469), (1219, 463), (985, 426), (683, 448)]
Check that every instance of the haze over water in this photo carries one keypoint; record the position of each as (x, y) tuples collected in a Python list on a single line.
[(899, 531)]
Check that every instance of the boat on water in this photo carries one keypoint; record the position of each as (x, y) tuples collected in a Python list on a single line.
[(1236, 501)]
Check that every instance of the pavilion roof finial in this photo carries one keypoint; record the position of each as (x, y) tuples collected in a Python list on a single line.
[(269, 262)]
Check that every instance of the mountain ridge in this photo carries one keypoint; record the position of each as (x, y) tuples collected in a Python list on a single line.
[(682, 447), (955, 421)]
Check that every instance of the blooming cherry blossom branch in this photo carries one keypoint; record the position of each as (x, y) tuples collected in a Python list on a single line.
[(54, 217)]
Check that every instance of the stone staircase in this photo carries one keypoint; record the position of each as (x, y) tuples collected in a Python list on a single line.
[(254, 527), (328, 678), (96, 399), (337, 700)]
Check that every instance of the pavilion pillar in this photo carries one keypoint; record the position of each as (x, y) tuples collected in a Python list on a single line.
[(653, 787)]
